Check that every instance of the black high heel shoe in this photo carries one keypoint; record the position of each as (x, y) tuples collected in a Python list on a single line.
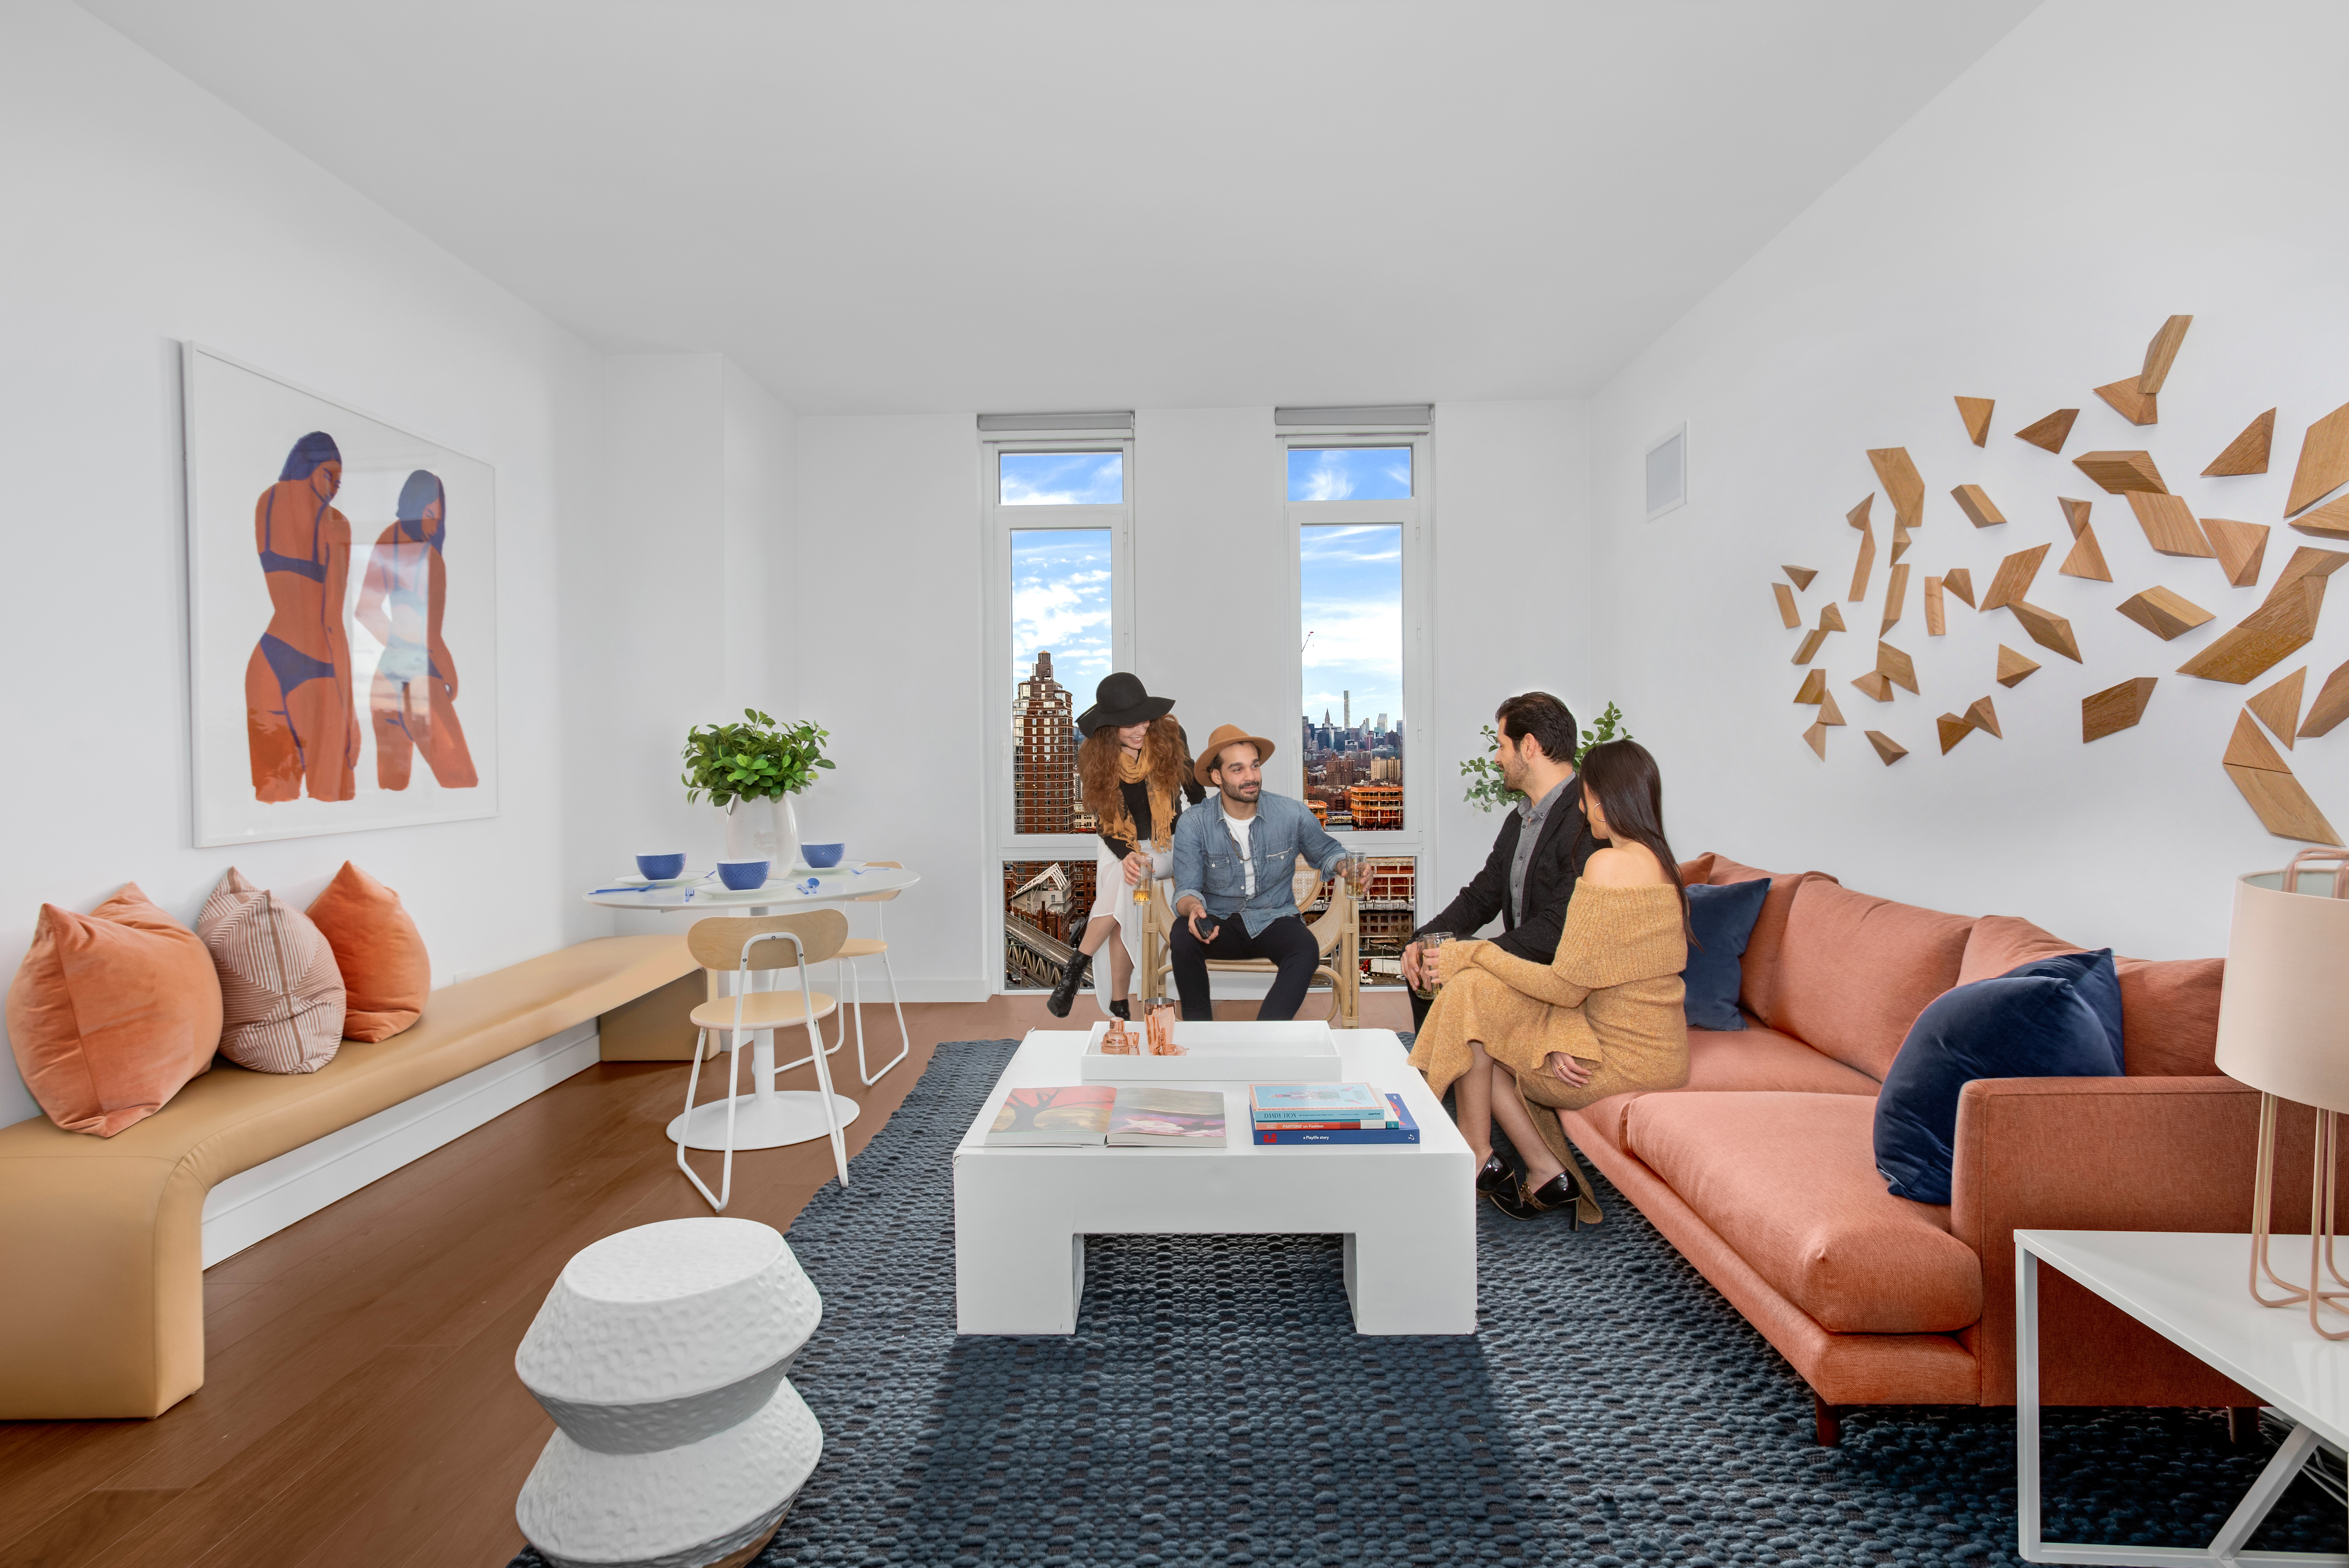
[(1528, 1204), (1073, 980), (1495, 1177)]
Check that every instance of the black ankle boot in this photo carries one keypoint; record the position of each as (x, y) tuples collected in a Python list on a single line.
[(1073, 980), (1117, 1010)]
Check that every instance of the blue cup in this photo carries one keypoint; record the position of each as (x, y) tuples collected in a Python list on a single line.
[(660, 868), (823, 855), (742, 875)]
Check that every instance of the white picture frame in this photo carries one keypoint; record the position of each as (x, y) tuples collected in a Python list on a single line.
[(308, 716), (1670, 451)]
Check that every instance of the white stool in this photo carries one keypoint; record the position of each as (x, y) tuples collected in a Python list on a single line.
[(661, 1354)]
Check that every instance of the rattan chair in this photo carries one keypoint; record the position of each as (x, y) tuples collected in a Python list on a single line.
[(1337, 933)]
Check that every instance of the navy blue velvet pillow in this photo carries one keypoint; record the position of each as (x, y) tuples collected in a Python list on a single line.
[(1722, 918), (2055, 1018)]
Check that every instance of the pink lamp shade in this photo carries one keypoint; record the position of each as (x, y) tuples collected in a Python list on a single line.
[(2283, 1010)]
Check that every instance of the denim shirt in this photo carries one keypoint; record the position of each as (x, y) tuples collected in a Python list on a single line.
[(1208, 858)]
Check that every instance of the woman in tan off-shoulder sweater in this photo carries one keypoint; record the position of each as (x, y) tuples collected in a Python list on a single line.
[(1519, 1041)]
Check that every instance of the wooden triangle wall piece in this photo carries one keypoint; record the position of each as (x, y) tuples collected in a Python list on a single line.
[(1896, 667), (1952, 730), (2015, 575), (1903, 486), (1975, 412), (2248, 748), (1983, 716), (1874, 685), (1900, 543), (1802, 576), (2087, 559), (2047, 629), (1831, 617), (1895, 597), (1815, 738), (1814, 686), (1937, 616), (2247, 453), (2279, 628), (2051, 433), (2122, 473), (2331, 706), (2164, 614), (1960, 582), (2278, 706), (2323, 461), (1829, 712), (2283, 807), (2330, 521), (2307, 561), (1810, 648), (1886, 747), (1978, 507), (2135, 406), (2160, 352), (1787, 611), (2012, 667), (1865, 563), (2169, 526), (2241, 547), (2075, 514), (2115, 709)]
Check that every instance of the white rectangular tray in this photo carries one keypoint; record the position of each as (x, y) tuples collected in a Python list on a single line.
[(1293, 1052)]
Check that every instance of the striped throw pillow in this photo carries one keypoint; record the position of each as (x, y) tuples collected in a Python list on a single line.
[(281, 995)]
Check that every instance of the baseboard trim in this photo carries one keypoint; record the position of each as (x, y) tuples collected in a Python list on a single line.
[(257, 1203)]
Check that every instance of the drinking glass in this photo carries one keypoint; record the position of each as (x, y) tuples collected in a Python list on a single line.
[(1429, 941)]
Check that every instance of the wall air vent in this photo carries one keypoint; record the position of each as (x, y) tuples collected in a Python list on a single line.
[(1668, 473)]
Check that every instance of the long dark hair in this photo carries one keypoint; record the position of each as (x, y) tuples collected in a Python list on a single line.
[(1622, 776), (1169, 753)]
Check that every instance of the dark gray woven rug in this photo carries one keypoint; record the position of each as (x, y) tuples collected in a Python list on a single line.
[(1215, 1407)]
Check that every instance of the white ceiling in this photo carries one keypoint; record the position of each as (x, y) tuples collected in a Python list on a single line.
[(1033, 204)]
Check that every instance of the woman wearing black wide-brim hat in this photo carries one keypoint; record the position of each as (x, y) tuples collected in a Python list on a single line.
[(1135, 769)]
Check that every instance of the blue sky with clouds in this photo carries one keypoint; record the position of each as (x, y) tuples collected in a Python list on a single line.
[(1059, 603), (1349, 473), (1062, 478), (1351, 588)]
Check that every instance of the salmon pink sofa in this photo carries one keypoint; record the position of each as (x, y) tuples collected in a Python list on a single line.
[(1761, 1169)]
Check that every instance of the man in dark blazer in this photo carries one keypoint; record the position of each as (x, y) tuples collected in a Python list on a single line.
[(1530, 877)]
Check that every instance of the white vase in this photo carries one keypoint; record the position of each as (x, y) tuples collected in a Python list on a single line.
[(765, 829)]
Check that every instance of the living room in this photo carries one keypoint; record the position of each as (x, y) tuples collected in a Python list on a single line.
[(737, 337)]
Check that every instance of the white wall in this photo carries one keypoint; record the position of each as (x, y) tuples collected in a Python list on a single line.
[(2106, 165), (141, 212)]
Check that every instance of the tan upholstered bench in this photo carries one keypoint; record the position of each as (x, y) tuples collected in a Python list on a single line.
[(101, 1262)]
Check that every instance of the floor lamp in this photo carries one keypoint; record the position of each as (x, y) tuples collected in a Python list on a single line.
[(2283, 1029)]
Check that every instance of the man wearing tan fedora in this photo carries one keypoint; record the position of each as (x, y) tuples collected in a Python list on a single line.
[(1234, 857)]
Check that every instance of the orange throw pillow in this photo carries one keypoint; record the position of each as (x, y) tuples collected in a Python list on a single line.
[(111, 1012), (386, 970), (281, 996)]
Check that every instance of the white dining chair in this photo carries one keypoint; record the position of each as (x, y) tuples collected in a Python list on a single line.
[(845, 960)]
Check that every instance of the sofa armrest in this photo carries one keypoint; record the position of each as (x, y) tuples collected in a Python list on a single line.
[(2102, 1154)]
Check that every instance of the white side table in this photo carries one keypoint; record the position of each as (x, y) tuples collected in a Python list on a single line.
[(2190, 1289)]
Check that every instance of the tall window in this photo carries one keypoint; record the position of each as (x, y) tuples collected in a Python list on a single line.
[(1058, 539)]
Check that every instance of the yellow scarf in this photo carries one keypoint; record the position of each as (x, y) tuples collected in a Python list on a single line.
[(1134, 770)]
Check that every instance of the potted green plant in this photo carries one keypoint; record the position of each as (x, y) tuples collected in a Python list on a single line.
[(1486, 790), (750, 771)]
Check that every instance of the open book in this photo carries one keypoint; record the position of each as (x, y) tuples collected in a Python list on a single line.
[(1080, 1116)]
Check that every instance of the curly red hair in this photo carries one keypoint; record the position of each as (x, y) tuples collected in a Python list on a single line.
[(1170, 768)]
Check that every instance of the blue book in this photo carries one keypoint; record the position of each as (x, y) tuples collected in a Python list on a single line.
[(1405, 1130), (1277, 1102)]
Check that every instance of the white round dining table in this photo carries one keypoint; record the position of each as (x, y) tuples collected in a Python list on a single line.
[(766, 1118)]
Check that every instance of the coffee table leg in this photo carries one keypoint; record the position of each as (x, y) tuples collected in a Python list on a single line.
[(2026, 1405), (1415, 1279), (1019, 1266)]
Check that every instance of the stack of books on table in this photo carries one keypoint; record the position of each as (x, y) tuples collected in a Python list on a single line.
[(1328, 1113), (1081, 1116)]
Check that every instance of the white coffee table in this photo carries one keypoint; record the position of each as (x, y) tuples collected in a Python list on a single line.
[(2189, 1288), (1408, 1211)]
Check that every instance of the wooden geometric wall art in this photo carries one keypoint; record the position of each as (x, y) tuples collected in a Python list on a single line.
[(2241, 547), (1814, 686), (1810, 648), (1815, 738), (2121, 473), (2168, 523), (2307, 561), (1975, 412), (2014, 577), (1961, 583), (1977, 507), (2160, 352), (1903, 486), (1801, 574), (2323, 461), (1899, 542), (1936, 617), (2115, 709), (2012, 667), (2138, 408), (2331, 706), (2247, 453), (1857, 518), (1952, 730), (2278, 706), (1875, 685), (2047, 629), (1787, 612), (2075, 514), (2330, 521), (1831, 617), (1896, 667), (2162, 613), (2051, 433), (1895, 595), (1886, 747), (1983, 716), (2268, 786), (1829, 712), (2087, 559), (2283, 624)]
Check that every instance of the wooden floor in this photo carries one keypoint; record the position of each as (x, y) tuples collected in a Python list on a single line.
[(359, 1407)]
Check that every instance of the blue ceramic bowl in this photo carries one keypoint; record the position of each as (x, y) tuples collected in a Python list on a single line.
[(742, 875), (660, 868), (821, 855)]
